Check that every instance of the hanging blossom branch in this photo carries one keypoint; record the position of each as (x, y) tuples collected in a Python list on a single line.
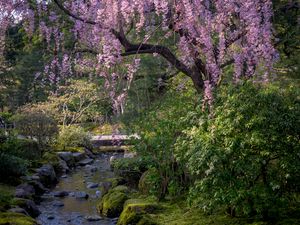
[(210, 35)]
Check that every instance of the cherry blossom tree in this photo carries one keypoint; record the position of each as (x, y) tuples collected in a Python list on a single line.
[(209, 35)]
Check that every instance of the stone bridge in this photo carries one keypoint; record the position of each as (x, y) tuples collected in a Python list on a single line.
[(111, 140)]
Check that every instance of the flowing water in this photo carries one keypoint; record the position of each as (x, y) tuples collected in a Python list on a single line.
[(70, 210)]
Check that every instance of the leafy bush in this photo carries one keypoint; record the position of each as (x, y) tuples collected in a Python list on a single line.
[(246, 155), (36, 124), (23, 148), (149, 182), (137, 164), (159, 128), (16, 155), (73, 136)]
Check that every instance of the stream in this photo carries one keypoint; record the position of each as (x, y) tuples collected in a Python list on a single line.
[(75, 209)]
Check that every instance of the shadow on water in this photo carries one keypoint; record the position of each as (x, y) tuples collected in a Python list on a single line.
[(70, 210)]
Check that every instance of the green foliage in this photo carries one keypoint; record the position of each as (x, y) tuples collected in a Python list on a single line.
[(6, 196), (23, 148), (159, 127), (246, 155), (136, 164), (16, 155), (76, 102), (36, 124), (150, 182), (73, 136)]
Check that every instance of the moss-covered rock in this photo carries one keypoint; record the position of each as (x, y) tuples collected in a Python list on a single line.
[(111, 205), (9, 218), (135, 212)]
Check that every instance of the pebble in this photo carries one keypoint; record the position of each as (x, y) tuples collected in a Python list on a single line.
[(93, 218), (50, 217)]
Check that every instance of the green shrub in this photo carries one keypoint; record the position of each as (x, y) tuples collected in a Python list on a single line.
[(245, 155), (138, 164), (150, 182), (23, 148), (73, 136), (159, 127), (36, 125), (11, 165), (16, 155), (6, 196)]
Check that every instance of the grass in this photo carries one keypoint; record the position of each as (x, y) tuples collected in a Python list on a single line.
[(6, 195)]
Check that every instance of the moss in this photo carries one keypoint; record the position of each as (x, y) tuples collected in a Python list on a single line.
[(115, 181), (111, 204), (6, 195), (21, 202), (121, 188), (149, 182), (16, 219), (135, 212), (175, 213)]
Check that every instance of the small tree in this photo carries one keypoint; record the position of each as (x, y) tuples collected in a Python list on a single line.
[(36, 125), (73, 136), (77, 101)]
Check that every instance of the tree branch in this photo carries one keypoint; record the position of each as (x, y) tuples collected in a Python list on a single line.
[(60, 5), (141, 48)]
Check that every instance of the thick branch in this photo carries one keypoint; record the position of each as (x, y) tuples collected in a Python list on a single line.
[(58, 3), (142, 48)]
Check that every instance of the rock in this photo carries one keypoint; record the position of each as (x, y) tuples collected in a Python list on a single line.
[(28, 205), (31, 178), (135, 212), (93, 218), (8, 218), (38, 187), (105, 186), (64, 176), (18, 210), (89, 153), (129, 154), (91, 168), (111, 205), (50, 217), (85, 162), (92, 185), (47, 175), (58, 204), (98, 193), (25, 191), (63, 167), (81, 194), (78, 156), (67, 157), (60, 194)]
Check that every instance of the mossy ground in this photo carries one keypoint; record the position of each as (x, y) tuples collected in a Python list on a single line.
[(6, 195), (178, 213), (16, 219)]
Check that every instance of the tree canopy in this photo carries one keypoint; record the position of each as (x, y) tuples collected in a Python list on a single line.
[(199, 38)]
